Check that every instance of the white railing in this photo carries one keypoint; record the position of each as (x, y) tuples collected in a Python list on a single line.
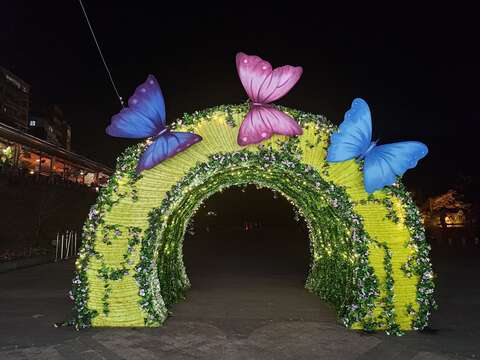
[(66, 245)]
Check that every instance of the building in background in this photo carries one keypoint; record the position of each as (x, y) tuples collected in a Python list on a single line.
[(31, 156), (14, 100), (45, 188), (51, 126), (40, 144)]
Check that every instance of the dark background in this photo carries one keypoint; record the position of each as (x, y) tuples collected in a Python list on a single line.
[(416, 65)]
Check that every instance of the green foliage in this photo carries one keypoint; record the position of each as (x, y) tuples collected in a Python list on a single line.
[(6, 155), (340, 271), (419, 262), (108, 197)]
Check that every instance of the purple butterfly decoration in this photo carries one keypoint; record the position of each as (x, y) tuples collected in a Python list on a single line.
[(264, 85), (145, 117)]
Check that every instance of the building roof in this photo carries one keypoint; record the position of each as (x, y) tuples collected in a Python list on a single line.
[(14, 79), (43, 146)]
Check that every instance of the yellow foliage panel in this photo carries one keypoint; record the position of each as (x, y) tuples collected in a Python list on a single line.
[(219, 137), (348, 175)]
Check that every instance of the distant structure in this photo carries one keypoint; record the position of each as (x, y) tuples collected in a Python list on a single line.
[(14, 100), (447, 210), (40, 143), (51, 126)]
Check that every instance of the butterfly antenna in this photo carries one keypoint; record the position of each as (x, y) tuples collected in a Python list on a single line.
[(101, 54)]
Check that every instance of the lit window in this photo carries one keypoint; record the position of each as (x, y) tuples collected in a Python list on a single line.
[(33, 123)]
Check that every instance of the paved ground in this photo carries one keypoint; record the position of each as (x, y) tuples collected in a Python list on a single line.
[(246, 303)]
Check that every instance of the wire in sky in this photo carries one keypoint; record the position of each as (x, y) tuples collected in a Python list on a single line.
[(101, 54)]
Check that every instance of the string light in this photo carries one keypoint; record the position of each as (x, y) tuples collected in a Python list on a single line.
[(101, 54)]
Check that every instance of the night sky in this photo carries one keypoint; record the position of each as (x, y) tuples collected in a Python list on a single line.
[(418, 68)]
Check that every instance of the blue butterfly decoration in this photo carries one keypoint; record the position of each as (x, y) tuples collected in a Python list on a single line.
[(382, 163), (145, 117)]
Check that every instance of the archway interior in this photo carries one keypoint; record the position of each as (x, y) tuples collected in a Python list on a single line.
[(331, 269), (246, 231)]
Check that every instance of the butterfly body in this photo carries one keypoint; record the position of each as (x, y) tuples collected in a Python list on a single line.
[(263, 86), (369, 149), (145, 118), (161, 132), (382, 163)]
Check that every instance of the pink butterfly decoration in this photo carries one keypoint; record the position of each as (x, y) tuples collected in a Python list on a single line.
[(264, 85)]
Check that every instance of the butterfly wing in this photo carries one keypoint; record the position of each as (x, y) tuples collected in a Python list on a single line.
[(145, 114), (166, 146), (261, 83), (354, 134), (262, 122), (385, 162)]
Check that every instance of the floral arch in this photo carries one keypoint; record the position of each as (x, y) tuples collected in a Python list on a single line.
[(369, 256)]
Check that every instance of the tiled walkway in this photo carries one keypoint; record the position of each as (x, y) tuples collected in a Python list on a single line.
[(233, 316)]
